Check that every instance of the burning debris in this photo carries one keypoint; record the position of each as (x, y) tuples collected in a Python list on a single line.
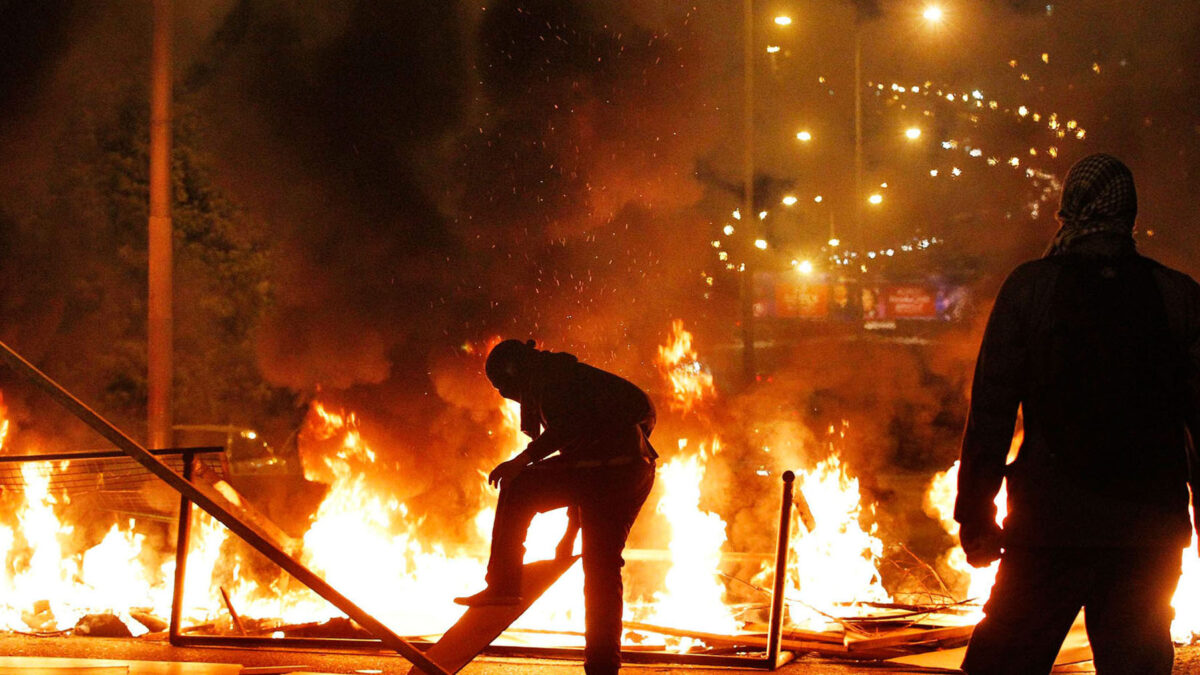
[(690, 589)]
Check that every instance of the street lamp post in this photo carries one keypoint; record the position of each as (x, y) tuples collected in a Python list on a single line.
[(749, 218), (858, 140)]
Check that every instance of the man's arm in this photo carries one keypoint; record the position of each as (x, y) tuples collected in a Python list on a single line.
[(996, 393), (551, 440)]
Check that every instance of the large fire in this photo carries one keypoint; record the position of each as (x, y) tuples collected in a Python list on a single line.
[(370, 544)]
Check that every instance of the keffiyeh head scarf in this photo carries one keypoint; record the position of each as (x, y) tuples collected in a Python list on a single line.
[(1098, 196)]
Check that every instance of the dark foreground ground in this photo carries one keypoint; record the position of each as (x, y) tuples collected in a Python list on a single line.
[(1187, 659)]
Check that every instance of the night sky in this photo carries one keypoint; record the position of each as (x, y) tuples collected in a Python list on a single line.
[(392, 181)]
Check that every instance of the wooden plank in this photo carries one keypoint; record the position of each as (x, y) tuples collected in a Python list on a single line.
[(43, 665), (759, 641), (908, 636), (223, 512), (1075, 648), (479, 626)]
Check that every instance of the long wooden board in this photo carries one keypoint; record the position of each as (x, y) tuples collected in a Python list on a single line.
[(1075, 648), (479, 626), (220, 508)]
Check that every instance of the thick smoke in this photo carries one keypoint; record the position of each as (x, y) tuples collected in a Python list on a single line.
[(422, 176)]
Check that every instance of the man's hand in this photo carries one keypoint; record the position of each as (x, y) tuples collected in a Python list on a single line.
[(981, 543), (505, 471)]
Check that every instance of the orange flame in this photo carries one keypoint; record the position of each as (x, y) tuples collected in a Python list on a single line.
[(837, 562), (691, 383)]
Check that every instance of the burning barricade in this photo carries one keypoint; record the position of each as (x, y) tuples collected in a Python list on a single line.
[(691, 586)]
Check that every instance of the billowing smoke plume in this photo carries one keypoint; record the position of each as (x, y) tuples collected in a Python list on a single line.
[(365, 188)]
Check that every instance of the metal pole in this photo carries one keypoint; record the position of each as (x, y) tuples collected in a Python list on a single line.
[(160, 329), (858, 140), (220, 509), (182, 545), (749, 217), (775, 628)]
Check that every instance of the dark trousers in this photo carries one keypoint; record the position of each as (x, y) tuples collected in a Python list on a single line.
[(608, 499), (1126, 596)]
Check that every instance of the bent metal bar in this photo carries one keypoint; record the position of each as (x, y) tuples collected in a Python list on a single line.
[(772, 659)]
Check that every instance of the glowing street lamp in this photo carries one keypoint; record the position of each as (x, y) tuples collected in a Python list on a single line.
[(875, 198), (782, 20), (804, 136), (789, 200), (933, 14), (913, 133)]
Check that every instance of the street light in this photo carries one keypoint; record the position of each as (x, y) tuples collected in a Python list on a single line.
[(933, 14), (913, 133)]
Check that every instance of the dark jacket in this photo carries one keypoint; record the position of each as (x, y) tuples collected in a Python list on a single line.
[(588, 415), (1101, 350)]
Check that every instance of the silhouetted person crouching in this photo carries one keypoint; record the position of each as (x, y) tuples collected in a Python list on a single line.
[(599, 425)]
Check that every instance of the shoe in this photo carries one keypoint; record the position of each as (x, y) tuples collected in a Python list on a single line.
[(488, 598)]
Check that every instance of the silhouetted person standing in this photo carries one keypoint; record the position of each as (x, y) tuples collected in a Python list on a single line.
[(599, 425), (1100, 347)]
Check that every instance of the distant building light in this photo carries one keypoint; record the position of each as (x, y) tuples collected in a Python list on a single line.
[(760, 244), (789, 200)]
